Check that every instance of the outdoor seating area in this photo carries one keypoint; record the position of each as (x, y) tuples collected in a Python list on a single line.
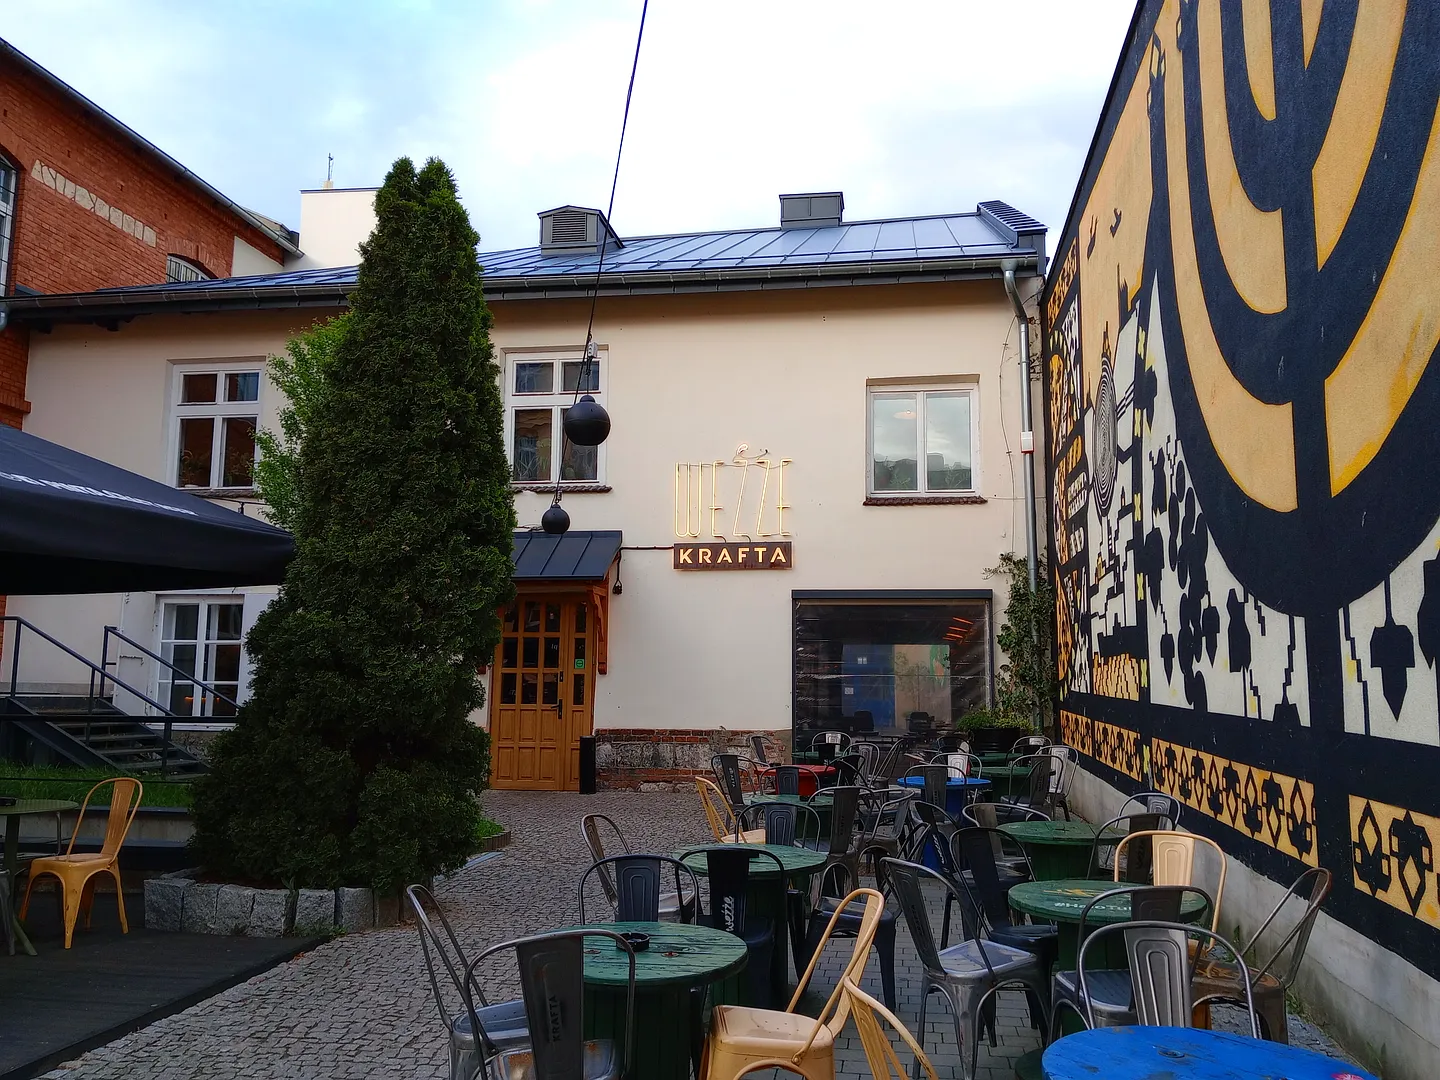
[(749, 953)]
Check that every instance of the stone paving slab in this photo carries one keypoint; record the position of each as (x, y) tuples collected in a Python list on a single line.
[(359, 1006)]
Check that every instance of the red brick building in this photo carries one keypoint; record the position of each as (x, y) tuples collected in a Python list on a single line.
[(86, 203)]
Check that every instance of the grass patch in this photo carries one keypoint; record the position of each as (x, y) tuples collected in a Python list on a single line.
[(487, 828), (71, 782)]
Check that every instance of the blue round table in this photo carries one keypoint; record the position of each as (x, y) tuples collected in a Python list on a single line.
[(1170, 1053), (957, 790)]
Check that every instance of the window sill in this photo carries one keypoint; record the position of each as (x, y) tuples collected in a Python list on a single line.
[(925, 500), (219, 493), (570, 488)]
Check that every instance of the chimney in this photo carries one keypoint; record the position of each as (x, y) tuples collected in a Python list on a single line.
[(333, 223), (812, 210), (574, 230)]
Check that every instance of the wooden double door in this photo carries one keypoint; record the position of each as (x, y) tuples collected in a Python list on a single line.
[(542, 692)]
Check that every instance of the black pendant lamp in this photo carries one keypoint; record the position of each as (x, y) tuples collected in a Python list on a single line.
[(586, 422), (555, 521)]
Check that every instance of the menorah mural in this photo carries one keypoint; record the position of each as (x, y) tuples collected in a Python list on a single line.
[(1242, 393)]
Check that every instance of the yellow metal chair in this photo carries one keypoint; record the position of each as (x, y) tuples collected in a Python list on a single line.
[(1172, 856), (717, 812), (879, 1051), (76, 872), (744, 1039)]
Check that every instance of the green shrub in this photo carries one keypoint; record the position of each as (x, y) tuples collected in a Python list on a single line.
[(354, 762)]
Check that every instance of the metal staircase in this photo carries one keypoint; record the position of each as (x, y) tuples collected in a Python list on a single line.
[(88, 729)]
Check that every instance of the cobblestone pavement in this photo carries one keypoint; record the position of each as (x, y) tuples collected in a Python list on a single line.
[(359, 1006)]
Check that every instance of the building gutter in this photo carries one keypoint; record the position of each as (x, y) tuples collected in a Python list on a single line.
[(1027, 428), (122, 304), (287, 241)]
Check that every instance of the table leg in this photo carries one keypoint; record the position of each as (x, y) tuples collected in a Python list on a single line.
[(12, 866), (664, 1019)]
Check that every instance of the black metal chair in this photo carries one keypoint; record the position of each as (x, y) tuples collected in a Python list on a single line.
[(638, 885), (1137, 861), (1029, 744), (479, 1029), (848, 925), (673, 906), (844, 804), (730, 770), (1038, 794), (935, 780), (552, 986), (728, 869), (849, 771), (760, 749), (787, 779), (786, 824), (1166, 808)]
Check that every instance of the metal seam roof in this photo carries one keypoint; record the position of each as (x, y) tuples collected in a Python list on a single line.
[(572, 556), (869, 251)]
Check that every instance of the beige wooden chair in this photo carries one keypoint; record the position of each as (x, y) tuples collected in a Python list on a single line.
[(879, 1051), (743, 1040), (1172, 856), (76, 872), (717, 813)]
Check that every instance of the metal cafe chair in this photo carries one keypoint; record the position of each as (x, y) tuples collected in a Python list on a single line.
[(967, 974), (1165, 807), (638, 885), (1067, 761), (1172, 861), (552, 987), (1106, 996), (1270, 981), (674, 907), (879, 1052), (759, 747), (849, 923), (7, 912), (1159, 976), (1038, 792), (989, 815), (787, 779), (786, 824), (728, 869), (1029, 744), (479, 1030)]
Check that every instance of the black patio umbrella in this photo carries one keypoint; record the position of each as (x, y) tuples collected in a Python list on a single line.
[(72, 524)]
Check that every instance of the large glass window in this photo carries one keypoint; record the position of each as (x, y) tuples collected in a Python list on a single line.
[(9, 187), (538, 392), (215, 415), (885, 665), (922, 442), (202, 640)]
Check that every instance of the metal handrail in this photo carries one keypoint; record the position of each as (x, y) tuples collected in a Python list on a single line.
[(184, 676), (22, 624)]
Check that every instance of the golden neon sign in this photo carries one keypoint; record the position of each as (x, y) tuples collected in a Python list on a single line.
[(701, 485)]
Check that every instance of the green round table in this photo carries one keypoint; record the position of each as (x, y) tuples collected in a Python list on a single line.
[(768, 901), (1061, 902), (679, 956), (1005, 777), (1057, 849), (12, 815)]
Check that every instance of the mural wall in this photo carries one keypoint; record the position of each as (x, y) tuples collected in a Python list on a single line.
[(1243, 423)]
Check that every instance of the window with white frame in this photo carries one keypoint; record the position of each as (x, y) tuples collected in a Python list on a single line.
[(179, 268), (539, 390), (922, 441), (215, 415), (201, 639), (9, 186)]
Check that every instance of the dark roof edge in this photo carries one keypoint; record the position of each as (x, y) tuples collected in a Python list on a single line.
[(114, 304), (286, 239)]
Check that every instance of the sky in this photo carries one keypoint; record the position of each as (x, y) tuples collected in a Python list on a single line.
[(908, 107)]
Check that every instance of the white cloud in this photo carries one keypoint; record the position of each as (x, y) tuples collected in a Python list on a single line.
[(910, 107)]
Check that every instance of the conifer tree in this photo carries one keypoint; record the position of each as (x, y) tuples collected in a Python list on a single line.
[(355, 762)]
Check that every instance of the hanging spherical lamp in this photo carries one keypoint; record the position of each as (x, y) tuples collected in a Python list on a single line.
[(586, 422), (555, 520)]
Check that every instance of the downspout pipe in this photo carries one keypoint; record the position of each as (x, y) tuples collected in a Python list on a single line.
[(1027, 428)]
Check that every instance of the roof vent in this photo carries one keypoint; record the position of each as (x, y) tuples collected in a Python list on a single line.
[(811, 210), (574, 229)]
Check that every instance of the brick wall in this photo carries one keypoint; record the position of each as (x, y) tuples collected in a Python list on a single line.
[(630, 757), (14, 348), (97, 212)]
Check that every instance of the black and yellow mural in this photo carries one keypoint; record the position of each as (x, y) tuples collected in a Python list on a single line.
[(1243, 425)]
